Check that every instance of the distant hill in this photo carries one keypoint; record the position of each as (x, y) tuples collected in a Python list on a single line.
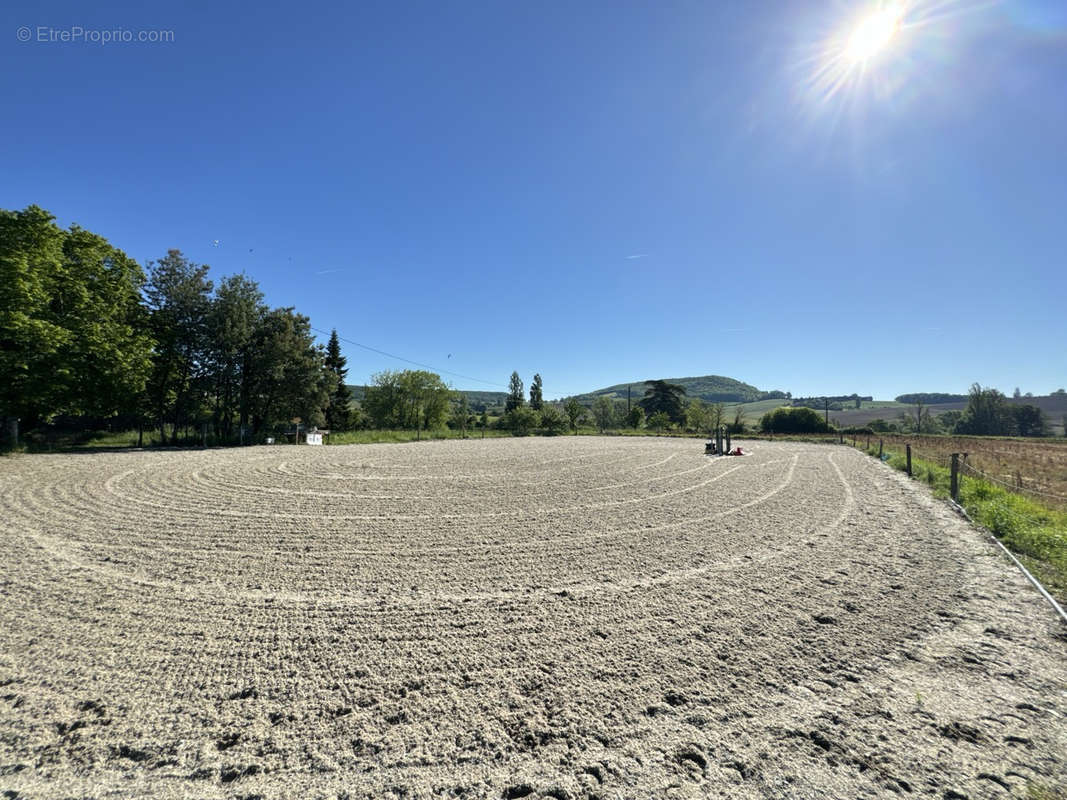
[(710, 388)]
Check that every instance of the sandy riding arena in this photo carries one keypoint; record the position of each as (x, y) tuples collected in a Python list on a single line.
[(579, 617)]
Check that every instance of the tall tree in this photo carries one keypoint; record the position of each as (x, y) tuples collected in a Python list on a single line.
[(537, 399), (604, 412), (461, 413), (178, 298), (574, 411), (72, 335), (661, 396), (237, 310), (515, 393), (338, 412), (289, 380)]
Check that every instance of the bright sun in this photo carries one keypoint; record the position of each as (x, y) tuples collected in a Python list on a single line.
[(873, 33)]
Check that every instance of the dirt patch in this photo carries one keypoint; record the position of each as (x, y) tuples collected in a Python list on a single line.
[(576, 617)]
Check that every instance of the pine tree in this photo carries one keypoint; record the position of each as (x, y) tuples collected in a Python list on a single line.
[(338, 413), (536, 396)]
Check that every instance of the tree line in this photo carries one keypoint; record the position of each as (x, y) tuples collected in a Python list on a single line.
[(988, 413), (87, 335)]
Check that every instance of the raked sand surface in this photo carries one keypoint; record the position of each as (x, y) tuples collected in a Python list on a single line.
[(578, 617)]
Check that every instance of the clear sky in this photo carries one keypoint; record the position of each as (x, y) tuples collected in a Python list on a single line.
[(599, 192)]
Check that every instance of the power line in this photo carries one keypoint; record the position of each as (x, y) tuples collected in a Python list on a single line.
[(409, 361), (420, 364)]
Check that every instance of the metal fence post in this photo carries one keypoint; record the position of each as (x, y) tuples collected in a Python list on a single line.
[(879, 448), (908, 449), (954, 488)]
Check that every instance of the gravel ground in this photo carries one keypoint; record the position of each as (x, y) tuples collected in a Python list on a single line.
[(580, 617)]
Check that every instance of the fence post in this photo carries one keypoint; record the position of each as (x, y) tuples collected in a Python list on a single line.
[(868, 442), (908, 449), (727, 440), (954, 488), (879, 449)]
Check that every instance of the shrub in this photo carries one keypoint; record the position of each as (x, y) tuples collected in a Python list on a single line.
[(553, 420), (521, 420), (793, 420)]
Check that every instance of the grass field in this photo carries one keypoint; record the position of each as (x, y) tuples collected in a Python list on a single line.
[(568, 617)]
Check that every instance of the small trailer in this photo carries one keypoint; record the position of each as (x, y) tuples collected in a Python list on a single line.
[(298, 434)]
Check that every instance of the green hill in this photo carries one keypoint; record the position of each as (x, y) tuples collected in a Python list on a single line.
[(710, 388)]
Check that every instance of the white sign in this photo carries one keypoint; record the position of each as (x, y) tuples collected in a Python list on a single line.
[(314, 438)]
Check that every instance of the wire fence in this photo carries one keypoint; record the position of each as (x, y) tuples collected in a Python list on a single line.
[(1015, 482)]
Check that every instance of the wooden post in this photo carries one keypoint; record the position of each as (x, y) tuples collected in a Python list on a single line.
[(727, 440), (955, 477), (879, 449), (908, 449), (868, 443)]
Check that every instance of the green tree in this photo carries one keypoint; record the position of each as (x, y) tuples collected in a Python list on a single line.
[(73, 339), (461, 413), (234, 314), (553, 420), (696, 415), (521, 420), (604, 412), (537, 399), (515, 393), (659, 421), (410, 399), (946, 420), (737, 427), (1029, 421), (574, 411), (793, 420), (987, 414), (178, 296), (635, 417), (383, 400), (288, 377), (338, 409), (661, 396)]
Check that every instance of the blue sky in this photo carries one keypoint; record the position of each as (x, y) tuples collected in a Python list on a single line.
[(598, 192)]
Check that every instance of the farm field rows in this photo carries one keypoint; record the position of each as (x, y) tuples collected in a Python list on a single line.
[(577, 617)]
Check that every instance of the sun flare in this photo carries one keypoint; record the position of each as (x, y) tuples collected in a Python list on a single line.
[(873, 33)]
